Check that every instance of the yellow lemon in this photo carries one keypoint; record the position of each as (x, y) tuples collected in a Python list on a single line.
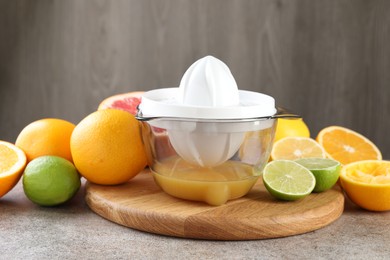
[(291, 127), (291, 148)]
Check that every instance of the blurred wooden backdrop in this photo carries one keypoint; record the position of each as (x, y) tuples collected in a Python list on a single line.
[(327, 60)]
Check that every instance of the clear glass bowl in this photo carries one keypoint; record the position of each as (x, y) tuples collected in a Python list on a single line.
[(212, 161)]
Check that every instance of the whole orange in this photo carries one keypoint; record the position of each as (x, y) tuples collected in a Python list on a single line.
[(107, 147), (49, 136)]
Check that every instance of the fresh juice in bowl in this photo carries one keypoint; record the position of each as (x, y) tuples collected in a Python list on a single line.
[(215, 184)]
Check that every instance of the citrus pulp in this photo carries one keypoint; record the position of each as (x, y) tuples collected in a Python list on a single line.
[(288, 180), (367, 184), (346, 146), (12, 163), (291, 148), (126, 101)]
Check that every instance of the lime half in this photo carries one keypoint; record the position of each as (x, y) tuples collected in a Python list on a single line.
[(326, 171), (288, 180)]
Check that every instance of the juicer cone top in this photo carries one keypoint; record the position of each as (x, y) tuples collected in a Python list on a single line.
[(207, 116)]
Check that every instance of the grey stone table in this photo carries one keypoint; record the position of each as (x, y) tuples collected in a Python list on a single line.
[(73, 231)]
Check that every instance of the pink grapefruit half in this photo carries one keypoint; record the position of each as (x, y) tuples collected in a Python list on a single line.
[(126, 101)]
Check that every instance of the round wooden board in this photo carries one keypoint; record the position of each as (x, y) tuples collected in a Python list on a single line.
[(142, 205)]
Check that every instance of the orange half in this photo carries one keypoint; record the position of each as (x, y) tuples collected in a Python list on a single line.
[(347, 146), (12, 163), (367, 184)]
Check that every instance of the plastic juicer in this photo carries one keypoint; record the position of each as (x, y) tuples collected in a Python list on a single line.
[(207, 140)]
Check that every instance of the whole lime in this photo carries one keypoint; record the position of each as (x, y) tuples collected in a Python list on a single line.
[(50, 180)]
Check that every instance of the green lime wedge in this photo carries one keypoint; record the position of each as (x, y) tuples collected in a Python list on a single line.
[(288, 180), (326, 172)]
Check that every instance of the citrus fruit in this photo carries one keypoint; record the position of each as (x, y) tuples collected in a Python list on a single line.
[(50, 180), (326, 171), (49, 136), (107, 147), (346, 146), (291, 148), (291, 127), (12, 163), (126, 101), (367, 184), (288, 180)]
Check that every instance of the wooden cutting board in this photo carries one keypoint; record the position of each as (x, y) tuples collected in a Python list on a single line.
[(141, 204)]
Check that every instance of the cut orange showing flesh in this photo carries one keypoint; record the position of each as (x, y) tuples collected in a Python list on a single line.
[(347, 146), (12, 163), (367, 184), (291, 148)]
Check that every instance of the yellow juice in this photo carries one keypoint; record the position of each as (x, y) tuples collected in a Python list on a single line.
[(214, 186)]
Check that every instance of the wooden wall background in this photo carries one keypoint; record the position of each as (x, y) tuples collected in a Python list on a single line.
[(327, 60)]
